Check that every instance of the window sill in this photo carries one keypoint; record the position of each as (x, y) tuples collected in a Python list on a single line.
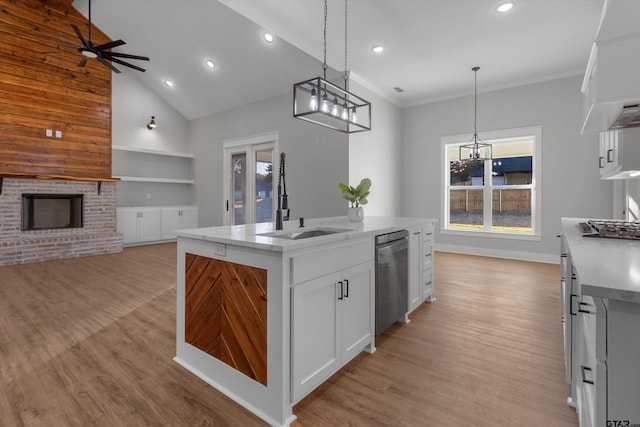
[(491, 234)]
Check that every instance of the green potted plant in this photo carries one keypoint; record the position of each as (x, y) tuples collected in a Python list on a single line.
[(357, 196)]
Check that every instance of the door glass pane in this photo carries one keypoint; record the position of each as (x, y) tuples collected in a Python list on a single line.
[(264, 186), (239, 188), (511, 210), (465, 208)]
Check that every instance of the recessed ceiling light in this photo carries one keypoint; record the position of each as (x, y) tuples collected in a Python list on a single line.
[(377, 49), (505, 7), (210, 64), (268, 37), (168, 82)]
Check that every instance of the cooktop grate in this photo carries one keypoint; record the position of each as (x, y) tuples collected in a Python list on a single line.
[(611, 228)]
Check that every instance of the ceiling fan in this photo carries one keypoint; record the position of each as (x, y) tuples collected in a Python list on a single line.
[(101, 52)]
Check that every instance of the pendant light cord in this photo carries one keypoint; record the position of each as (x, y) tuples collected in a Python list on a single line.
[(324, 63), (346, 70), (475, 104)]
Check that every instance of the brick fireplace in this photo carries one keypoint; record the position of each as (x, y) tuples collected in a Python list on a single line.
[(97, 235)]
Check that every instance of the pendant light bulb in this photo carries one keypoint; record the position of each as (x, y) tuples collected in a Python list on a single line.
[(334, 110), (313, 102), (345, 112), (354, 116), (325, 103)]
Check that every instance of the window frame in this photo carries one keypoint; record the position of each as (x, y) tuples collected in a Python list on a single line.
[(495, 137)]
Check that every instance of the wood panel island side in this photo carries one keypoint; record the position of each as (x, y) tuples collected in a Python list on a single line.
[(265, 319)]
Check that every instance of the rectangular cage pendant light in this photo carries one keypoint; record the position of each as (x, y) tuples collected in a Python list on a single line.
[(475, 150), (326, 104)]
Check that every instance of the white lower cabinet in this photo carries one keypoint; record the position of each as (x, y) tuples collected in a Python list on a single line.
[(152, 224), (421, 285), (415, 268), (139, 224), (606, 377), (176, 218), (332, 321)]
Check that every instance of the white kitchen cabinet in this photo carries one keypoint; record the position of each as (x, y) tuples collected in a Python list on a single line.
[(415, 268), (428, 286), (604, 318), (610, 81), (176, 218), (421, 284), (619, 153), (139, 224), (332, 321)]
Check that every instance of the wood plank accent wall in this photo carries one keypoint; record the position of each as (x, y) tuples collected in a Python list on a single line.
[(226, 313), (42, 87)]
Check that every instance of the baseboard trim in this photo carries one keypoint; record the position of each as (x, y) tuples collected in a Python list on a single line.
[(499, 253)]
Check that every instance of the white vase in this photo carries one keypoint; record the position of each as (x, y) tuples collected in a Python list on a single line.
[(355, 214)]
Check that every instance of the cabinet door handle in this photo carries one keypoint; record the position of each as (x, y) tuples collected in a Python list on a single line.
[(600, 159), (415, 233), (227, 206), (609, 152), (341, 290), (571, 297), (581, 310), (584, 376), (346, 294)]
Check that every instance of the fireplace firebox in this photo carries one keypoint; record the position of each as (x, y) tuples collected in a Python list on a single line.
[(51, 211)]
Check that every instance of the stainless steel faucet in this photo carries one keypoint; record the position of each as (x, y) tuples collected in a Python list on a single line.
[(283, 203)]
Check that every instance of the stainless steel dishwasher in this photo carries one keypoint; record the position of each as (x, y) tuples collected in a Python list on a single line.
[(392, 278)]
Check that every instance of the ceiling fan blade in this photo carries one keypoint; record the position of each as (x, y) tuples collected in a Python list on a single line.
[(126, 64), (123, 55), (79, 34), (107, 64), (109, 45), (83, 61)]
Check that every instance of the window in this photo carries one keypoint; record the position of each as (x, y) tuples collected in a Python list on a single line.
[(497, 197)]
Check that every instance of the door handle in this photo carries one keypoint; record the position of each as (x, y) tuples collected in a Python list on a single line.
[(346, 282), (571, 297), (584, 377), (341, 290), (609, 152), (227, 206), (600, 159), (581, 310)]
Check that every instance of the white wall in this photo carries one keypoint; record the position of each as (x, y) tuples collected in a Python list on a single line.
[(317, 158), (133, 104), (377, 155), (570, 181)]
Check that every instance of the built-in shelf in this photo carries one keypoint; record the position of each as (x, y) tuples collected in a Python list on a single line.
[(150, 179), (151, 151)]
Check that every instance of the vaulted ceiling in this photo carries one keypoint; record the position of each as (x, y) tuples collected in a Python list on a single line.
[(430, 45)]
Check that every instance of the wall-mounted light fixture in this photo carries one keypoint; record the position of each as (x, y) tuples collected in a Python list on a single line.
[(152, 123)]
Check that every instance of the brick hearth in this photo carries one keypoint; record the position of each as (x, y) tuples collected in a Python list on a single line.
[(98, 234)]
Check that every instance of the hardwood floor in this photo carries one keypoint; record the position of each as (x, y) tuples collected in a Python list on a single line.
[(90, 341)]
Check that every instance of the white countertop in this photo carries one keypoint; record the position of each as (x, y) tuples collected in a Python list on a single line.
[(607, 268), (249, 235)]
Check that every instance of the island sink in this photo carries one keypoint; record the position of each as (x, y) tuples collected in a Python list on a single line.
[(298, 235)]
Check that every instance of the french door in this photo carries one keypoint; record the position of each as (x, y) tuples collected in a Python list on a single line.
[(249, 184)]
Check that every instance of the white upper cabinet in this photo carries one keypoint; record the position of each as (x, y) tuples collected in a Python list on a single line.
[(611, 79), (619, 154)]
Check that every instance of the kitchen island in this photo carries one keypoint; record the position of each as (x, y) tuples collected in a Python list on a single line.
[(265, 316), (601, 304)]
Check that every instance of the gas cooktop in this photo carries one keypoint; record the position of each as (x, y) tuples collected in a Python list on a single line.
[(611, 228)]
